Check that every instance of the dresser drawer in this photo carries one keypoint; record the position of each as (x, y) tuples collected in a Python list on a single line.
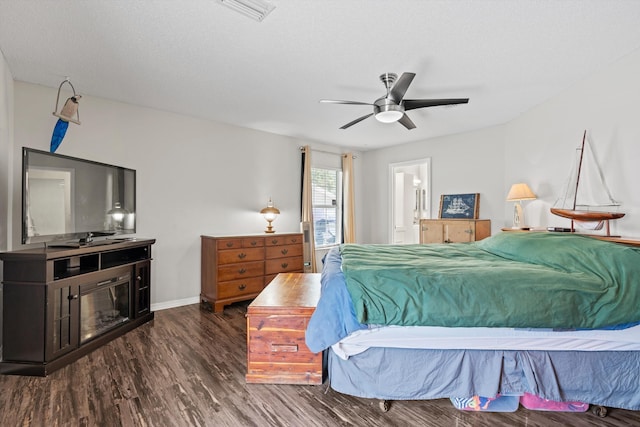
[(283, 240), (234, 288), (231, 256), (253, 242), (283, 265), (283, 251), (240, 271), (229, 243), (240, 242)]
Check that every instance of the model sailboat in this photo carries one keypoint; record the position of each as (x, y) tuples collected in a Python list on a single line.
[(585, 204)]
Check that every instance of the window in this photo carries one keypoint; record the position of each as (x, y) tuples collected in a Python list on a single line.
[(326, 186)]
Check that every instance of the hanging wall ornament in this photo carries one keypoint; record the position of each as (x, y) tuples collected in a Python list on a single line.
[(69, 113)]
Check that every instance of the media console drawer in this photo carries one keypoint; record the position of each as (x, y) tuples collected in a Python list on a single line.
[(276, 323)]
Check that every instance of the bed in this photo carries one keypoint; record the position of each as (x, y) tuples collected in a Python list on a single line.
[(551, 315)]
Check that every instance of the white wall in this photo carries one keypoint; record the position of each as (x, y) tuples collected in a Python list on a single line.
[(540, 145), (463, 163), (6, 149), (194, 176), (537, 148)]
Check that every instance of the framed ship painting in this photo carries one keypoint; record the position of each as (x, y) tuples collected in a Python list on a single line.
[(460, 206)]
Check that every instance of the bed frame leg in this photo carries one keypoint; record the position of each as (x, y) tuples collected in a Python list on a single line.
[(384, 405)]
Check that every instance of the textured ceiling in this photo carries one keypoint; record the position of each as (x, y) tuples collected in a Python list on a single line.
[(199, 58)]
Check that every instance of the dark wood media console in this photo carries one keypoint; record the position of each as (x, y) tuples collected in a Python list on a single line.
[(61, 303)]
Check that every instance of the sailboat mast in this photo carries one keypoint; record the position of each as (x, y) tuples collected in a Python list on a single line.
[(585, 215), (575, 196)]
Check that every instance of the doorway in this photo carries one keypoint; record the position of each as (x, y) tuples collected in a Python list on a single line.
[(410, 199), (49, 200)]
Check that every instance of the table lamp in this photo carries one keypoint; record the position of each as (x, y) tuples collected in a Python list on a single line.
[(517, 193), (270, 213)]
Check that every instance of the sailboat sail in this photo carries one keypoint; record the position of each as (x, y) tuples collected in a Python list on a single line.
[(586, 197)]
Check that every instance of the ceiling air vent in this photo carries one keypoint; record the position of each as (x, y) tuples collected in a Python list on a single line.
[(254, 9)]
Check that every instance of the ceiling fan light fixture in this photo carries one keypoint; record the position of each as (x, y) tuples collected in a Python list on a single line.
[(388, 113), (254, 9), (391, 107)]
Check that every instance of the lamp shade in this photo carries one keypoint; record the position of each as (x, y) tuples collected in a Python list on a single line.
[(520, 191), (270, 212)]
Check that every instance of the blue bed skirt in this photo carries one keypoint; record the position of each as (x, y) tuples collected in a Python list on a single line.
[(602, 378)]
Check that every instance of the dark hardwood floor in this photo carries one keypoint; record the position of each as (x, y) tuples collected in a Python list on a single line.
[(187, 367)]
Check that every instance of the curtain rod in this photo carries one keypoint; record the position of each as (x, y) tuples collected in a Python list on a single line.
[(326, 152)]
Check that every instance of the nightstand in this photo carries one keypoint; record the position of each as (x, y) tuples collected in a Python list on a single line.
[(454, 230)]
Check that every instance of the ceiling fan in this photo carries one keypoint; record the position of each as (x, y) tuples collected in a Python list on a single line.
[(391, 107)]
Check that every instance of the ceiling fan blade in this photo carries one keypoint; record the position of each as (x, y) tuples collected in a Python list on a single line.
[(336, 101), (412, 104), (358, 120), (406, 122), (400, 87)]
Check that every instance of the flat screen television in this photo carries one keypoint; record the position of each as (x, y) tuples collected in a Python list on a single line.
[(66, 198)]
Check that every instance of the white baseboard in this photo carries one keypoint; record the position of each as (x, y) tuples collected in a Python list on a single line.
[(175, 303)]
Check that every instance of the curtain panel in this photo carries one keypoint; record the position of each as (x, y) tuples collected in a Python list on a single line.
[(307, 206), (348, 220)]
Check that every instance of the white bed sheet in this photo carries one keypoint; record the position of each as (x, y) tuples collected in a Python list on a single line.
[(443, 338)]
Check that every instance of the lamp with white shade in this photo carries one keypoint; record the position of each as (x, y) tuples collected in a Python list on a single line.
[(517, 193)]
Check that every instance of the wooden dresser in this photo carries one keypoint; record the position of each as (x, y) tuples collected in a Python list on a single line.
[(276, 323), (237, 268), (454, 230)]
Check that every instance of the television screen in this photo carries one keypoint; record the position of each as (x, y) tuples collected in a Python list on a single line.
[(65, 198)]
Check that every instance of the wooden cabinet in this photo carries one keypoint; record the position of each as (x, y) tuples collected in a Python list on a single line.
[(61, 303), (237, 268), (276, 323), (454, 230), (142, 289)]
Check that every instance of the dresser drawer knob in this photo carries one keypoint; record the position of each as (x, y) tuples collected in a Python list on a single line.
[(242, 287), (274, 241), (229, 244), (284, 251), (284, 264), (242, 255), (253, 243), (242, 271), (294, 240)]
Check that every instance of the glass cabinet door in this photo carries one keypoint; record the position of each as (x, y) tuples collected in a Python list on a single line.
[(63, 320), (142, 289)]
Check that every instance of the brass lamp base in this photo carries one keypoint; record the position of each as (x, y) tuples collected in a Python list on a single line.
[(269, 228)]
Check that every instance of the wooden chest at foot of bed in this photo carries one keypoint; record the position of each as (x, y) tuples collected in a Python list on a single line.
[(276, 324)]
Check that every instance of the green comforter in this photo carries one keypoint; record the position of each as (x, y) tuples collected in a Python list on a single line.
[(529, 280)]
